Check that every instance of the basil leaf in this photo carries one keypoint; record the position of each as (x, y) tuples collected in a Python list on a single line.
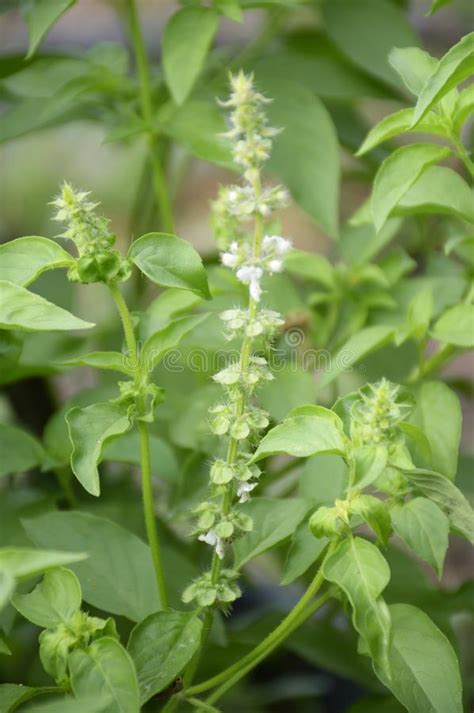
[(23, 260), (425, 528), (53, 601)]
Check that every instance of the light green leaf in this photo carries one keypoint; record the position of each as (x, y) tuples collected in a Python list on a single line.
[(160, 646), (456, 65), (273, 521), (290, 388), (71, 705), (114, 361), (19, 451), (301, 436), (438, 190), (398, 173), (126, 449), (89, 429), (7, 587), (419, 312), (356, 348), (21, 309), (105, 670), (22, 562), (40, 16), (438, 414), (456, 326), (425, 528), (313, 266), (359, 569), (13, 695), (418, 652), (304, 550), (186, 41), (399, 123), (112, 551), (374, 512), (366, 31), (414, 66), (23, 260), (437, 5), (444, 493), (311, 168), (167, 338), (170, 262), (370, 462), (323, 479), (53, 601), (229, 8), (464, 107)]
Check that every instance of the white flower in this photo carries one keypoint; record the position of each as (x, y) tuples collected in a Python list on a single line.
[(276, 243), (210, 538), (275, 265), (255, 290), (229, 259), (249, 273), (244, 490)]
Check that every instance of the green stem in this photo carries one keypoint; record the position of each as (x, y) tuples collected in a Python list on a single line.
[(146, 105), (295, 618), (147, 488), (463, 154)]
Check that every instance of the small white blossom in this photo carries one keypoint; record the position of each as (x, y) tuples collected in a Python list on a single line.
[(244, 490), (229, 259), (210, 538), (275, 265)]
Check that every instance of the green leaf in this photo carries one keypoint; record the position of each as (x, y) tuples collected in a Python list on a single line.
[(456, 65), (398, 173), (23, 260), (438, 414), (309, 168), (186, 41), (40, 16), (290, 388), (425, 528), (438, 190), (13, 695), (19, 451), (20, 309), (114, 361), (304, 550), (160, 646), (359, 569), (71, 705), (366, 31), (456, 326), (126, 449), (313, 266), (419, 313), (229, 8), (168, 338), (105, 670), (170, 262), (112, 551), (53, 601), (370, 462), (374, 512), (7, 587), (399, 123), (419, 651), (414, 66), (301, 436), (22, 562), (464, 107), (89, 429), (356, 348), (444, 493), (273, 521)]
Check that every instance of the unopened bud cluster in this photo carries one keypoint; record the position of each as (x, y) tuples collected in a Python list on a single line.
[(98, 261), (377, 414), (239, 217)]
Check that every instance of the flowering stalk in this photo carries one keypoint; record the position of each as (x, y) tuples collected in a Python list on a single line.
[(252, 255)]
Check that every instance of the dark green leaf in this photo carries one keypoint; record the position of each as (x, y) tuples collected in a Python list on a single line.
[(304, 550), (356, 348), (115, 361), (167, 338), (23, 562), (170, 262), (112, 551), (313, 266), (19, 451), (160, 646), (126, 449)]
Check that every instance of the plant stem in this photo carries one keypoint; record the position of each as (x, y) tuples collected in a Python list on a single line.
[(463, 154), (147, 489), (146, 105), (300, 612)]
